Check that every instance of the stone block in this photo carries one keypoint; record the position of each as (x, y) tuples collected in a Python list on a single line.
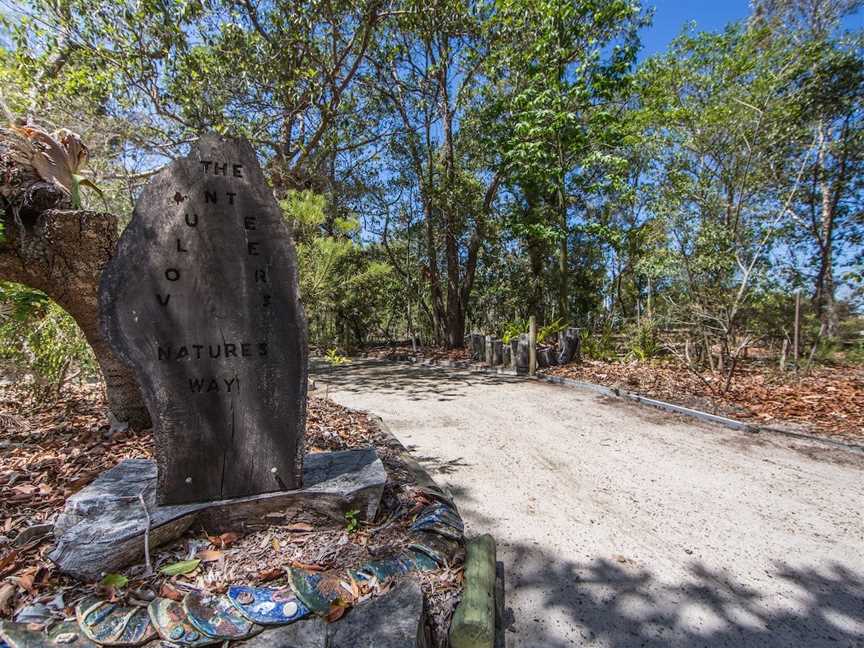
[(101, 528)]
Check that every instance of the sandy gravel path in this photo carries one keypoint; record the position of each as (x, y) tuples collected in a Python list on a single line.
[(621, 526)]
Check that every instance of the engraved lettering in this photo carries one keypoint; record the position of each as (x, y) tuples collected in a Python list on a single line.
[(196, 384), (266, 301), (164, 353), (261, 275), (180, 247), (206, 165), (193, 222), (197, 348), (249, 222), (218, 351), (172, 274), (230, 195), (238, 170), (210, 196), (245, 349), (230, 350), (252, 247), (182, 352), (163, 300), (230, 383), (212, 385), (220, 168), (262, 349)]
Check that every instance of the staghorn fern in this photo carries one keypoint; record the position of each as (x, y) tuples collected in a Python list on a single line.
[(55, 159)]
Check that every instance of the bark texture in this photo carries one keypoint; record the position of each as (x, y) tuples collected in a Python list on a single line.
[(62, 253)]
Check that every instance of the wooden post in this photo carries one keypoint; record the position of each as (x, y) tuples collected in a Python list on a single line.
[(473, 624), (489, 353), (532, 346), (796, 341)]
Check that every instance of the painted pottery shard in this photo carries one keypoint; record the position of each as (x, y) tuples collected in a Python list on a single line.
[(440, 528), (68, 634), (267, 605), (440, 512), (420, 561), (109, 624), (201, 300), (216, 616), (171, 624), (139, 629), (318, 591), (442, 550), (385, 568), (17, 635), (101, 621)]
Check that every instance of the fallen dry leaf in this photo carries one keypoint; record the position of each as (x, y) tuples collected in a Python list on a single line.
[(300, 527), (210, 555), (170, 592), (224, 540), (7, 562), (7, 596), (270, 574)]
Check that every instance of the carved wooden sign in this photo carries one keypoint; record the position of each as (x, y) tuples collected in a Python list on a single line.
[(201, 300)]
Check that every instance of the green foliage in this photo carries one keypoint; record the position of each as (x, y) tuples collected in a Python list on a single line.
[(182, 567), (642, 340), (114, 580), (352, 521), (550, 329), (599, 345), (41, 339), (512, 330), (334, 359)]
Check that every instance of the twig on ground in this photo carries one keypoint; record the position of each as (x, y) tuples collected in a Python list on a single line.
[(148, 568)]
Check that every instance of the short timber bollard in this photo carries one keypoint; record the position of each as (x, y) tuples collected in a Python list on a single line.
[(497, 352), (532, 346), (489, 350), (473, 624)]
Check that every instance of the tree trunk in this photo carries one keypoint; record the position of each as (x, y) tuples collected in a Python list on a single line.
[(825, 302), (62, 253)]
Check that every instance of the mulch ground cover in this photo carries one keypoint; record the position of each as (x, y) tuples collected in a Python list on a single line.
[(399, 352), (826, 401), (50, 451)]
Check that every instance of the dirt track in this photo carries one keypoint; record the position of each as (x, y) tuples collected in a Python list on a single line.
[(620, 526)]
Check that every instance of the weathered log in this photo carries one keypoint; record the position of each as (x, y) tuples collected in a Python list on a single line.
[(473, 624), (569, 346), (62, 253), (523, 353), (497, 352)]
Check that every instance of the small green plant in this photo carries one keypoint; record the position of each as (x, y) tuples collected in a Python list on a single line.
[(334, 359), (551, 328), (642, 342), (41, 339), (352, 521), (513, 329), (598, 345)]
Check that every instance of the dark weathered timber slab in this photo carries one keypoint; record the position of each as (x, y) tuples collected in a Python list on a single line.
[(201, 300), (101, 528)]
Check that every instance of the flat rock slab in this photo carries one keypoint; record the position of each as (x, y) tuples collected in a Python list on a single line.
[(201, 300), (394, 620), (101, 528)]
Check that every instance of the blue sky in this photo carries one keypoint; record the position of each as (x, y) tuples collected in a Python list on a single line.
[(709, 15)]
